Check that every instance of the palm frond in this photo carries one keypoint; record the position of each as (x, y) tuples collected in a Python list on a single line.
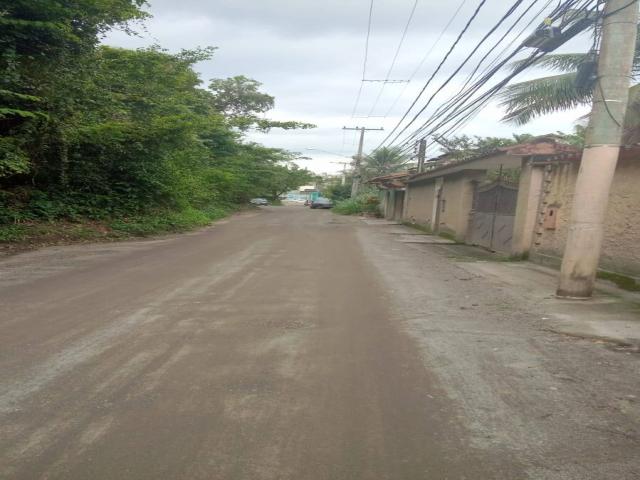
[(561, 62), (385, 160), (527, 100)]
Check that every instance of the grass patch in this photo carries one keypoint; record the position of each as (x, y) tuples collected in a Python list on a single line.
[(167, 222), (622, 281), (13, 233), (34, 234)]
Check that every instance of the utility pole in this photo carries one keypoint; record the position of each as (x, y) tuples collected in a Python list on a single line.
[(422, 153), (602, 147), (344, 171), (357, 173)]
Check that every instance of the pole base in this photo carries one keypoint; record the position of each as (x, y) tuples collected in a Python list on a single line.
[(562, 295)]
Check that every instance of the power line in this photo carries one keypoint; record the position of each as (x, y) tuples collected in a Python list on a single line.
[(366, 58), (426, 56), (459, 95), (395, 56), (489, 72), (557, 13), (509, 12), (446, 57)]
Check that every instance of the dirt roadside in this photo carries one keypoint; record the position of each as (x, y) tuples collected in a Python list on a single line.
[(565, 407)]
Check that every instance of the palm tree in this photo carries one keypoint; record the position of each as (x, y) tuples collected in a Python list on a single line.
[(384, 161), (530, 99)]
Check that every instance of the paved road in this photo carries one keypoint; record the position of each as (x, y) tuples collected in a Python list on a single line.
[(269, 346)]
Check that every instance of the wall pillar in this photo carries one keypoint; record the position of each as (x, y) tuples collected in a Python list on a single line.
[(435, 215), (529, 193)]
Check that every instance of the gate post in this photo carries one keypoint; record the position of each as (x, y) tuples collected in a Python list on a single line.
[(527, 206)]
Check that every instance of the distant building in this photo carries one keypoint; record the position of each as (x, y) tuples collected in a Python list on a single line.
[(304, 193)]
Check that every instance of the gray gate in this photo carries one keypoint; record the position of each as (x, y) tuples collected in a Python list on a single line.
[(493, 216)]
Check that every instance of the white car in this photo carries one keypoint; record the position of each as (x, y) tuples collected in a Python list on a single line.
[(259, 201)]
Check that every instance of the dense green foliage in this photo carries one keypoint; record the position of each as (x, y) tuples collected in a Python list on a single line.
[(365, 203), (336, 191), (89, 131)]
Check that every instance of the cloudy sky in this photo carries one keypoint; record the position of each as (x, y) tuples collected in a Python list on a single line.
[(309, 54)]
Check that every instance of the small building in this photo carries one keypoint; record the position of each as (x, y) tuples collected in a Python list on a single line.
[(442, 198), (475, 200), (392, 189), (517, 200), (309, 192)]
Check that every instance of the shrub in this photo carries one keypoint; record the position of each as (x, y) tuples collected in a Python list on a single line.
[(362, 204)]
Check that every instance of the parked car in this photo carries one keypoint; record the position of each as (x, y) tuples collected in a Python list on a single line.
[(321, 202), (259, 201)]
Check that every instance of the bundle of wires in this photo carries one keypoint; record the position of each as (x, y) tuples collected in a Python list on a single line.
[(476, 91)]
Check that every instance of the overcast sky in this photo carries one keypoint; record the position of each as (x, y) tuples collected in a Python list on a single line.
[(309, 54)]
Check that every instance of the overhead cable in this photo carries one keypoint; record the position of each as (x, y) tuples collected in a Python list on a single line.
[(395, 57), (366, 58)]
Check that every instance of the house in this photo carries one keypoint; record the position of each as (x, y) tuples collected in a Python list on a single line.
[(392, 193), (459, 198), (308, 192), (475, 200), (517, 200)]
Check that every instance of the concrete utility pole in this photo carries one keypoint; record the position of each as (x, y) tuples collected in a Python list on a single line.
[(602, 147), (422, 153), (357, 173), (344, 171)]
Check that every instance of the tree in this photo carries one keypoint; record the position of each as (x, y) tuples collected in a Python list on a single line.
[(239, 98), (90, 131), (43, 50), (284, 178), (336, 191), (464, 146), (384, 161)]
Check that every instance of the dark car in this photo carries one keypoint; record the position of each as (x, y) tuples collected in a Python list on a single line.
[(321, 202)]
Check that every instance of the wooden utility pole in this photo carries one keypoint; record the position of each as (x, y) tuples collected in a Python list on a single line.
[(602, 147), (357, 167), (422, 153)]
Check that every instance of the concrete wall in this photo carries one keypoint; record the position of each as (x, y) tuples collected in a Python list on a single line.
[(456, 203), (621, 248), (455, 206), (419, 202)]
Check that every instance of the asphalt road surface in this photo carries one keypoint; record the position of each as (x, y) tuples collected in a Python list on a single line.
[(275, 346)]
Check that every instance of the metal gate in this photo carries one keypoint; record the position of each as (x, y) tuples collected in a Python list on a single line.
[(493, 215)]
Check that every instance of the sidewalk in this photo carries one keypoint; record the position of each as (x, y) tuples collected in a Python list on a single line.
[(611, 315)]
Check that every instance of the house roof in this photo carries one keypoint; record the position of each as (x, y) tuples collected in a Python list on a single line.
[(546, 146), (391, 181)]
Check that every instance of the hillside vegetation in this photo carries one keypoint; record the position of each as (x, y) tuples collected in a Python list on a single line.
[(130, 139)]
